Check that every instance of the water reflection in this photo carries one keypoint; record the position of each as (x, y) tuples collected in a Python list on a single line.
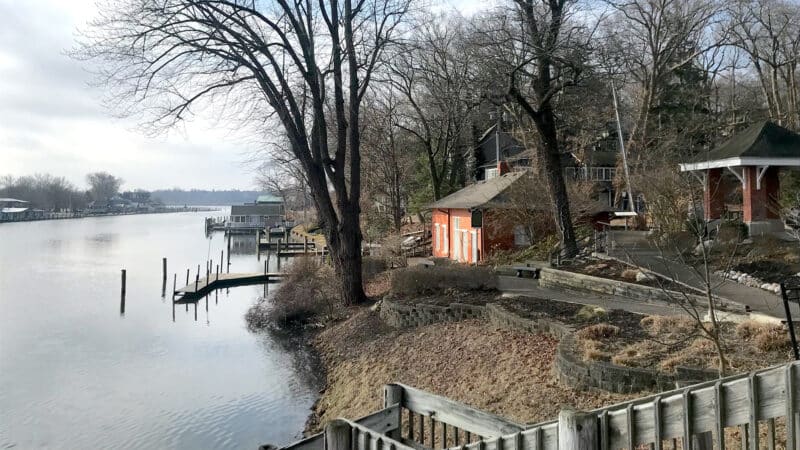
[(72, 378)]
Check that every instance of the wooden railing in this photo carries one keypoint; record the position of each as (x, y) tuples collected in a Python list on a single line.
[(756, 410)]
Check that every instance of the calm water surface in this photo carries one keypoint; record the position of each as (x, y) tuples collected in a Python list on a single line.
[(76, 373)]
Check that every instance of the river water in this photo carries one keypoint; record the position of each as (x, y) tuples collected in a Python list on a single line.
[(77, 373)]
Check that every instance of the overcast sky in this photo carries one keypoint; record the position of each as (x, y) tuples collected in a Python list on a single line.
[(52, 121)]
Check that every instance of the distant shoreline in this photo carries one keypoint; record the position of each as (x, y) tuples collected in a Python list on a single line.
[(66, 216)]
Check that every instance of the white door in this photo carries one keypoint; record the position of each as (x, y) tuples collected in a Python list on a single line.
[(465, 245), (474, 246)]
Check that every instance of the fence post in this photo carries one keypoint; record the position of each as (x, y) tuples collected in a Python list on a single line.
[(393, 395), (337, 435), (577, 430)]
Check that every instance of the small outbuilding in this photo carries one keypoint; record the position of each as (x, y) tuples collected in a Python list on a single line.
[(754, 158), (469, 224)]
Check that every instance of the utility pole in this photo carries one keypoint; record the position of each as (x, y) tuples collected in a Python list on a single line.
[(622, 149)]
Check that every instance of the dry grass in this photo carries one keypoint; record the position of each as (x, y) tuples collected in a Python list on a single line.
[(591, 313), (629, 274), (598, 332), (505, 372), (668, 325), (767, 337)]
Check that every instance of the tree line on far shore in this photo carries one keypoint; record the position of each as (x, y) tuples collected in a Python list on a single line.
[(53, 193)]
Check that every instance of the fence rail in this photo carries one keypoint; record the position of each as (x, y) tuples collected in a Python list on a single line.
[(750, 411)]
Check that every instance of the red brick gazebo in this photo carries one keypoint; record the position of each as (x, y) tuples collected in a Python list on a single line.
[(754, 157)]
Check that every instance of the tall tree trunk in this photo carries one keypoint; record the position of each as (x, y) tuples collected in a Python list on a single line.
[(559, 198), (344, 244)]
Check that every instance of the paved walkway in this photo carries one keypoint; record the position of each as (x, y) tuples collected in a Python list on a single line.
[(634, 248), (529, 287)]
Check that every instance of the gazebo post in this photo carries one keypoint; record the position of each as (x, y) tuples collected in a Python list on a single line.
[(713, 197)]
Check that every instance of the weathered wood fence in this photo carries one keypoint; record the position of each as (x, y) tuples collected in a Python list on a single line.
[(750, 411)]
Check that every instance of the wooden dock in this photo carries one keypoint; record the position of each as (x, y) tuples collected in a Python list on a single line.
[(204, 285), (273, 245)]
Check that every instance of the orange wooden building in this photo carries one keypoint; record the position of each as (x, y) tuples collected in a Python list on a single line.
[(469, 224)]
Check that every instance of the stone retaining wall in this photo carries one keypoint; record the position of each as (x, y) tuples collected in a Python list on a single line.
[(569, 367), (562, 279)]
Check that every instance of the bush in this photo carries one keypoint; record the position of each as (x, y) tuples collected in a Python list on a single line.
[(420, 280), (307, 293), (598, 332)]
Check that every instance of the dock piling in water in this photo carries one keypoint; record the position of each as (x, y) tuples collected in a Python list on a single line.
[(174, 285), (124, 276), (164, 269), (187, 277)]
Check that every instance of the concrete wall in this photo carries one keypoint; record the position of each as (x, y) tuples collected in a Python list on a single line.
[(561, 279), (568, 365)]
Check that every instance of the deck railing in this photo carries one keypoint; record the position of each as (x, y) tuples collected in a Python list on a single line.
[(754, 411)]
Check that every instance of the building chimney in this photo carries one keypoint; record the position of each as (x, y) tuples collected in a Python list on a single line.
[(503, 168)]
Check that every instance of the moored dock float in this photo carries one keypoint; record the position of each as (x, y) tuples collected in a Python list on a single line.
[(196, 290)]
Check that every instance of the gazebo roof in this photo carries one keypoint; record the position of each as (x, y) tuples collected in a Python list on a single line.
[(763, 144)]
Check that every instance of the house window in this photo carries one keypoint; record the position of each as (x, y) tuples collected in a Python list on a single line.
[(491, 173)]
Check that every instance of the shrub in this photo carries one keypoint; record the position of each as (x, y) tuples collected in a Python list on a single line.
[(392, 251), (307, 293), (419, 280), (598, 332), (591, 313)]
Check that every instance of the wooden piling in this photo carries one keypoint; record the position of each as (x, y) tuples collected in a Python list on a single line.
[(174, 285), (124, 276), (305, 244), (577, 430), (217, 272), (187, 277), (164, 269), (265, 269), (196, 280)]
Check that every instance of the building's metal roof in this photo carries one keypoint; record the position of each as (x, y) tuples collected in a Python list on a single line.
[(268, 198), (478, 194)]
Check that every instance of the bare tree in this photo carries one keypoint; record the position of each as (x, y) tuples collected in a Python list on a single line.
[(769, 33), (388, 155), (103, 185), (661, 36), (308, 64), (540, 51), (432, 73)]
